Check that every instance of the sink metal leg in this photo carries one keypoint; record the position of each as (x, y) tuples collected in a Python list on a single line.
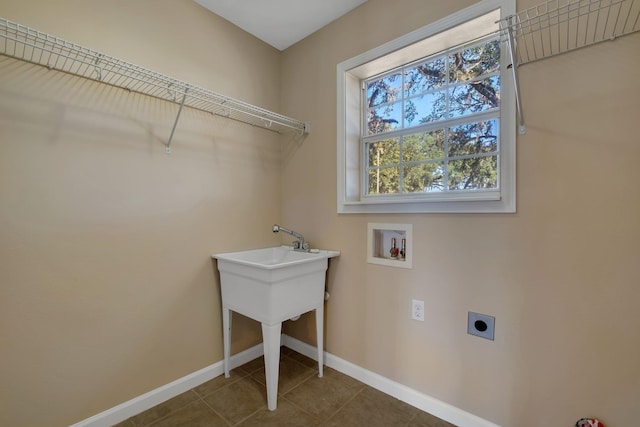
[(320, 337), (226, 336), (271, 343)]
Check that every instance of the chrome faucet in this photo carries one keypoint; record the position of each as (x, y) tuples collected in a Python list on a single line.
[(298, 245)]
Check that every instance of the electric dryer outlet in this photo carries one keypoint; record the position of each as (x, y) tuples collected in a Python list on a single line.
[(481, 325)]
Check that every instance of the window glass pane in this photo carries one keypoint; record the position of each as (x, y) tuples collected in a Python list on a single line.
[(426, 177), (384, 180), (384, 90), (385, 118), (386, 152), (439, 89), (455, 85), (473, 138), (475, 61), (425, 77), (423, 146), (425, 108), (474, 97), (442, 88), (475, 173)]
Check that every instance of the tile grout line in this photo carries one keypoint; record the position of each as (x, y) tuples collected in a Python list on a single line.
[(150, 424), (283, 395), (303, 410), (342, 406), (250, 375), (230, 423), (214, 411), (308, 378)]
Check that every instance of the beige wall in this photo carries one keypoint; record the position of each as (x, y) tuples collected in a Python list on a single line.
[(107, 289), (560, 276)]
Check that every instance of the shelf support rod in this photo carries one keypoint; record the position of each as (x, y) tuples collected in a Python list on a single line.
[(184, 97), (514, 68)]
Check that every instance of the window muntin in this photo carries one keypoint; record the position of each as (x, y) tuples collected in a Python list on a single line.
[(442, 114)]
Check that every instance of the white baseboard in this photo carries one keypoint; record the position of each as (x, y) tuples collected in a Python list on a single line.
[(412, 397), (155, 397)]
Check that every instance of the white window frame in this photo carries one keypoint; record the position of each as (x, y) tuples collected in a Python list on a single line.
[(423, 42)]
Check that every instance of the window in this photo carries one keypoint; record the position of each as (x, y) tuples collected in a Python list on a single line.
[(433, 126), (426, 123)]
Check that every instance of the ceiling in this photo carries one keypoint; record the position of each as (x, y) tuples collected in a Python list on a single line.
[(280, 23)]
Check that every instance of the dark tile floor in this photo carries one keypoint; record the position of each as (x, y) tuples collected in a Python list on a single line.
[(335, 400)]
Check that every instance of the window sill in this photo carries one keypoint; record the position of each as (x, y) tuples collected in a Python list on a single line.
[(470, 206)]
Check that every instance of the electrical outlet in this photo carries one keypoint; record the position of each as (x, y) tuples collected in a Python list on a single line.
[(417, 310)]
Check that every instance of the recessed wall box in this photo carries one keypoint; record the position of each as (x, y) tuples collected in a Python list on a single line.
[(390, 244)]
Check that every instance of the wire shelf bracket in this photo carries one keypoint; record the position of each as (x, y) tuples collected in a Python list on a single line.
[(30, 45), (560, 26)]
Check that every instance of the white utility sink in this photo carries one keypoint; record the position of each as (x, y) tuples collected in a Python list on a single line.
[(272, 285)]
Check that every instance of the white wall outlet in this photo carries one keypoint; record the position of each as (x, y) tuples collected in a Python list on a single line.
[(417, 310)]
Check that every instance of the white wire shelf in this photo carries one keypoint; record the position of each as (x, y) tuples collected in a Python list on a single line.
[(28, 44), (559, 26)]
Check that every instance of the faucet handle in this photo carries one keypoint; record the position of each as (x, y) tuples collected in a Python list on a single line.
[(298, 246)]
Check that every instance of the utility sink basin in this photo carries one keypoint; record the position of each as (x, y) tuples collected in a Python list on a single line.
[(275, 258), (272, 285)]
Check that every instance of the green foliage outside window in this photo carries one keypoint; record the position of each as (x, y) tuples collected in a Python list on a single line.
[(433, 126)]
